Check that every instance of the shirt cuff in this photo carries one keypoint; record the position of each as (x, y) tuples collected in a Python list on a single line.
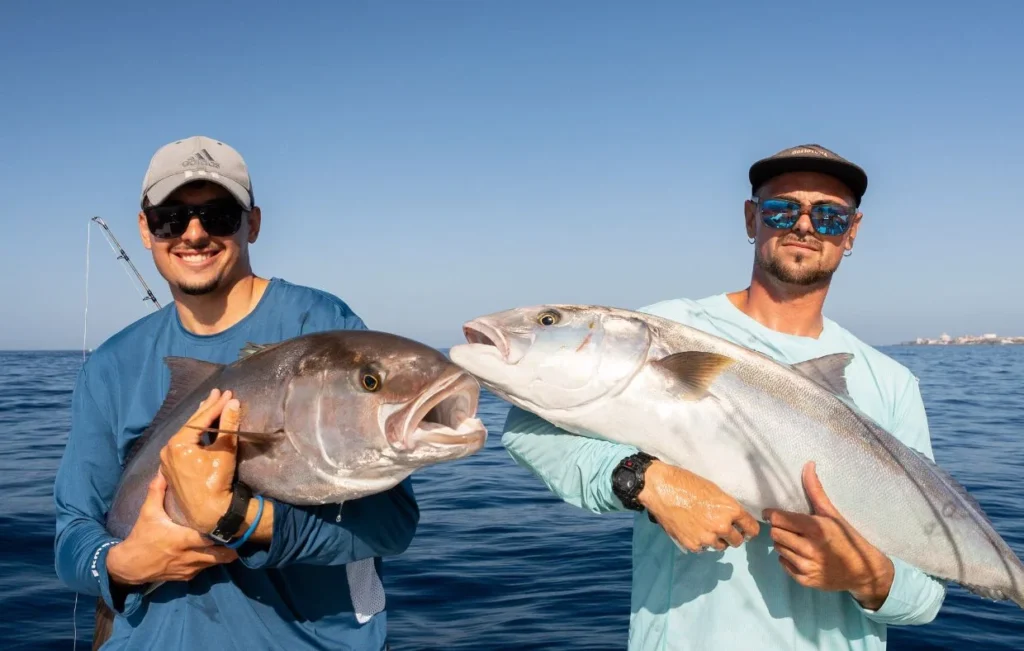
[(98, 569), (902, 601)]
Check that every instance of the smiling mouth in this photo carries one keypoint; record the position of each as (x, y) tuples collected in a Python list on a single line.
[(196, 257), (447, 415)]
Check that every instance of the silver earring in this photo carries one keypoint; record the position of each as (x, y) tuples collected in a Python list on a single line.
[(848, 253), (750, 240)]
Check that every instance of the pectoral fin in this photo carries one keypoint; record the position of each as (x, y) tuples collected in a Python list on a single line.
[(694, 371)]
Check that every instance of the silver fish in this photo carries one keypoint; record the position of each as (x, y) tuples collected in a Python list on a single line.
[(742, 420), (325, 418)]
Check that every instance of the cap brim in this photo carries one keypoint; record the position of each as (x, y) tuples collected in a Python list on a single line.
[(164, 187), (851, 175)]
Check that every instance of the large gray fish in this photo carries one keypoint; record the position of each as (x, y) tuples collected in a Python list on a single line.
[(327, 418), (742, 420)]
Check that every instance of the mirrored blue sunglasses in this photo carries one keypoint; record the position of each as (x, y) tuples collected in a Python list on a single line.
[(827, 218)]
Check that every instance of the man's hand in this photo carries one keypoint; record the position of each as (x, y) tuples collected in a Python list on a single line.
[(694, 511), (202, 477), (824, 551), (157, 549)]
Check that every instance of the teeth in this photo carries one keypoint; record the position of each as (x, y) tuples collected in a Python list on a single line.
[(196, 257)]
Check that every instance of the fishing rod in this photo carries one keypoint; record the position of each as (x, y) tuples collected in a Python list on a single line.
[(123, 255), (133, 273)]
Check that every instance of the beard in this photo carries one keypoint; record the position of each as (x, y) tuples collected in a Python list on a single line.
[(791, 275), (200, 289)]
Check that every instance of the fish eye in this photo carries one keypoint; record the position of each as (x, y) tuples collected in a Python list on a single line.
[(548, 318), (371, 382)]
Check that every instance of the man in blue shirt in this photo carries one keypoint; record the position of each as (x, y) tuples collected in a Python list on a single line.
[(288, 586), (799, 582)]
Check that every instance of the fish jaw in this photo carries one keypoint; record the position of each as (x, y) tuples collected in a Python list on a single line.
[(479, 332), (553, 356), (442, 423), (483, 361), (495, 342)]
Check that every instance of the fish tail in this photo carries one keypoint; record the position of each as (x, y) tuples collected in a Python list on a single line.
[(104, 624)]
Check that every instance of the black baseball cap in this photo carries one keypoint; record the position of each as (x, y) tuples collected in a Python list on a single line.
[(809, 158)]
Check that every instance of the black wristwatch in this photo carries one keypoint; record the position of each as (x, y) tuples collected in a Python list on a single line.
[(628, 479), (231, 522)]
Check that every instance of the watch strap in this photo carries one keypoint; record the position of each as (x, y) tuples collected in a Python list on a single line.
[(231, 522)]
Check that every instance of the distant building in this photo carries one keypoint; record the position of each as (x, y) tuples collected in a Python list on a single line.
[(965, 340)]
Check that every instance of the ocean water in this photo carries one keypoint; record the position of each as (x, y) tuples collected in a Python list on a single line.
[(498, 562)]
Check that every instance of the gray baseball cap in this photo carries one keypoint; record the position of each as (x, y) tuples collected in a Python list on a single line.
[(196, 159)]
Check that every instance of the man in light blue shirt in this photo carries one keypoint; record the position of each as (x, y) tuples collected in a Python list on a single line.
[(800, 581)]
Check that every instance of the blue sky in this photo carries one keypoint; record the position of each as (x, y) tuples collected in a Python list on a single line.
[(432, 161)]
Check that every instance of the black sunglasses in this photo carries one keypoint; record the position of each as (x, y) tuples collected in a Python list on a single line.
[(220, 218)]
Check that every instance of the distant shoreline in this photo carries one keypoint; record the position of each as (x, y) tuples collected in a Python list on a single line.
[(966, 340), (951, 345)]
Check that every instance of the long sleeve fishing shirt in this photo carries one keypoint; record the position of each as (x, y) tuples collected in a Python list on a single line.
[(741, 598), (292, 594)]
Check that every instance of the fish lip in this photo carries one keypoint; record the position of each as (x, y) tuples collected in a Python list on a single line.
[(459, 383), (480, 333)]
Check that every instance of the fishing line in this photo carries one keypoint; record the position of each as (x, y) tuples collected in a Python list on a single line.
[(85, 329), (147, 295), (85, 317)]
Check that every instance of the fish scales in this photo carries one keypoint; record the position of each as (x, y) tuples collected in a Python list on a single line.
[(742, 420), (313, 427)]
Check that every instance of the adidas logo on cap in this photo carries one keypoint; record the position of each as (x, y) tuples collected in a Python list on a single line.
[(202, 158)]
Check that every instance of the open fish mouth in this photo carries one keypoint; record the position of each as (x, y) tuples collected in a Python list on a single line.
[(446, 414), (478, 333)]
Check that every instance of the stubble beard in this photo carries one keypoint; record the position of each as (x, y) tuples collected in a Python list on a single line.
[(199, 290), (202, 287), (801, 277)]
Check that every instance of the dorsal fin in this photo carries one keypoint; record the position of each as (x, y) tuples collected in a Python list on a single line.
[(251, 349), (829, 371), (186, 374), (694, 371)]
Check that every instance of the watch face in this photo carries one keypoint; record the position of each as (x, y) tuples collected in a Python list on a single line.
[(625, 478)]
